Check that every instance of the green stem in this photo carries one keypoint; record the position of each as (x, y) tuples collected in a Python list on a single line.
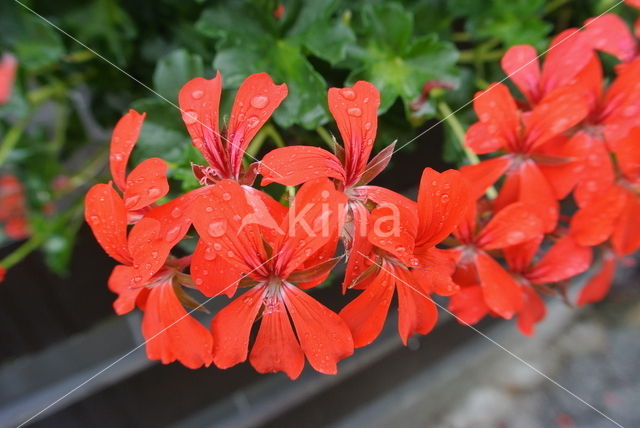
[(11, 139), (326, 136), (257, 143), (451, 119), (22, 251), (275, 135)]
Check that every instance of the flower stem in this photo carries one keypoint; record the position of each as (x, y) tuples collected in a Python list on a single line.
[(450, 118), (22, 251), (325, 135), (11, 139)]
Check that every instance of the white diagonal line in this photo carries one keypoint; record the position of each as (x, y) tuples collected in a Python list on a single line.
[(490, 89), (495, 343), (133, 78), (143, 343)]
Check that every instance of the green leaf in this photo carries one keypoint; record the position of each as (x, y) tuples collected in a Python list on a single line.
[(235, 24), (174, 70), (328, 41), (104, 26), (306, 103), (425, 59), (38, 45), (388, 25)]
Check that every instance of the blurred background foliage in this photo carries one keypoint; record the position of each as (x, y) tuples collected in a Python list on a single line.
[(427, 57)]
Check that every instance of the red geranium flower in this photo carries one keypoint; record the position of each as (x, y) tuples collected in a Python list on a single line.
[(568, 53), (564, 260), (170, 332), (12, 208), (405, 260), (535, 145), (8, 66), (614, 212), (273, 260), (599, 284), (480, 275), (255, 102), (356, 113)]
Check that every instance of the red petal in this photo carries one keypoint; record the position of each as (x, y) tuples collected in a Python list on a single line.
[(323, 335), (628, 155), (437, 268), (520, 63), (211, 273), (381, 196), (501, 292), (365, 315), (356, 113), (563, 176), (597, 174), (479, 139), (484, 174), (558, 111), (255, 102), (174, 222), (563, 261), (599, 284), (393, 228), (532, 312), (568, 53), (497, 109), (315, 218), (120, 282), (443, 199), (8, 66), (359, 247), (294, 165), (594, 223), (107, 217), (512, 225), (626, 234), (227, 222), (276, 348), (124, 138), (416, 311), (536, 191), (622, 104), (468, 305), (199, 101), (610, 34), (231, 328), (519, 257), (172, 334), (146, 184)]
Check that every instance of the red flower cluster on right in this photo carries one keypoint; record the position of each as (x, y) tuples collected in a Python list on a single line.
[(570, 140)]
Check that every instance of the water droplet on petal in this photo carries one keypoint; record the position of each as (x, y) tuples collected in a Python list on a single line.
[(217, 246), (354, 111), (209, 209), (176, 212), (190, 117), (348, 94), (199, 281), (197, 94), (444, 198), (217, 228), (94, 219), (259, 101), (252, 122), (226, 196), (131, 200), (172, 234), (154, 192)]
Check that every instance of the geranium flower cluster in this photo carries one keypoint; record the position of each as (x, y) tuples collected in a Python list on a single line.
[(567, 136)]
